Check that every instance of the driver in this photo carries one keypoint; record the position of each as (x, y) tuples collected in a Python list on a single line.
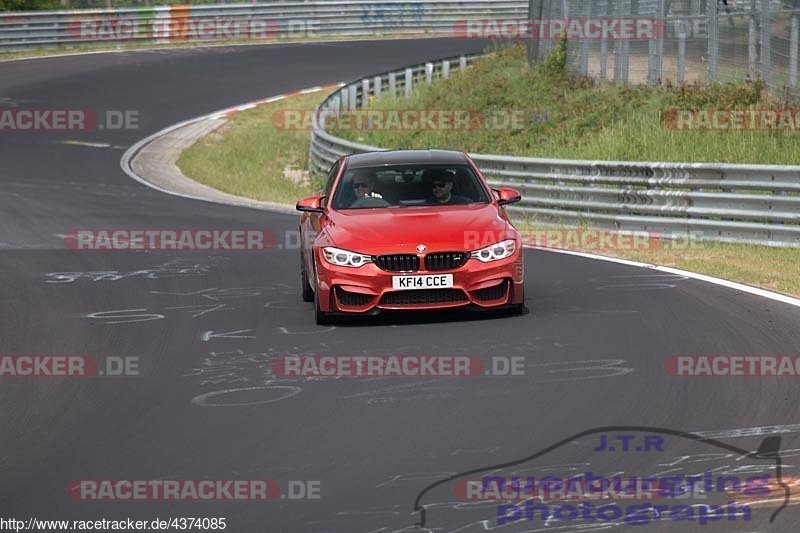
[(363, 183)]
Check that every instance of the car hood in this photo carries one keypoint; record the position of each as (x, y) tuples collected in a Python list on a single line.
[(401, 230)]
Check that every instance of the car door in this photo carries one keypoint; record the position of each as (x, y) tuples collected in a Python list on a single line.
[(311, 224)]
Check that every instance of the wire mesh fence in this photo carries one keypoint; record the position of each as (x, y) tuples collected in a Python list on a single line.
[(691, 40)]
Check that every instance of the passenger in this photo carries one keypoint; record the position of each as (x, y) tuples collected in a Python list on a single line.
[(442, 187)]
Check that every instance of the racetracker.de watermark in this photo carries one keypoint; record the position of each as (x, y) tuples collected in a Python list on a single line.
[(400, 366), (596, 240), (186, 28), (625, 29), (408, 119), (38, 366), (170, 239), (787, 120), (549, 488), (193, 489), (16, 119), (733, 365)]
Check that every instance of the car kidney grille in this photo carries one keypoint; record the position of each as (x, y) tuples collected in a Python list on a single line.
[(424, 296), (398, 262), (445, 260)]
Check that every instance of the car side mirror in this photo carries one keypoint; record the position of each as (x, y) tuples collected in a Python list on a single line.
[(507, 196), (311, 204)]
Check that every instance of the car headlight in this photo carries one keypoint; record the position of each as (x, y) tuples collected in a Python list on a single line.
[(345, 258), (495, 252)]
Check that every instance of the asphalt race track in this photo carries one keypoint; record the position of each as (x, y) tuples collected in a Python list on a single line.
[(206, 325)]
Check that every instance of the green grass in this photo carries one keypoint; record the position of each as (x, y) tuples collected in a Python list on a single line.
[(253, 158), (586, 120), (776, 269)]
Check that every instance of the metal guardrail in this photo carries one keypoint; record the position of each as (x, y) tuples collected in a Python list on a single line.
[(757, 204), (256, 21)]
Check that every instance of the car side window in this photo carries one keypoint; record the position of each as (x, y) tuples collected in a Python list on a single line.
[(331, 177)]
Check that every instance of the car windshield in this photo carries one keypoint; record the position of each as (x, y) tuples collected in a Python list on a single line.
[(408, 186)]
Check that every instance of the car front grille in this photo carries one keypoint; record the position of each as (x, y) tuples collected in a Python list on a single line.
[(445, 260), (492, 293), (398, 262), (424, 296), (352, 299)]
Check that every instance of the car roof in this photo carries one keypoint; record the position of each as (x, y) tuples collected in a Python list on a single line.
[(401, 157)]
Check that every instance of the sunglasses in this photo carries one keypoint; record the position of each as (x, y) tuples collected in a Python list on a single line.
[(361, 185), (439, 184)]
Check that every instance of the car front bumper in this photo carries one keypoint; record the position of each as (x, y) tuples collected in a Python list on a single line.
[(368, 289)]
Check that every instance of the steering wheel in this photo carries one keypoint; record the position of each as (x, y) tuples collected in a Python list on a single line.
[(369, 201)]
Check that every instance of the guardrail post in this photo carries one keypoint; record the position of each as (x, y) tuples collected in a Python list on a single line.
[(352, 98), (392, 84), (364, 92), (345, 98), (336, 104), (409, 81), (376, 86), (446, 69), (428, 73), (793, 43), (462, 63)]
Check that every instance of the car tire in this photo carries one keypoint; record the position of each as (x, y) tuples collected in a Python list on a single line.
[(320, 317), (519, 309), (308, 292)]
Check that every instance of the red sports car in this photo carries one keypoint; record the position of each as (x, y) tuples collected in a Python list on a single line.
[(409, 229)]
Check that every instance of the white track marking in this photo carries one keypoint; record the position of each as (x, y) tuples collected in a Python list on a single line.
[(776, 296)]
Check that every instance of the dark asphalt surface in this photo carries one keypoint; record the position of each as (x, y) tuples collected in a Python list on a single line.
[(207, 406)]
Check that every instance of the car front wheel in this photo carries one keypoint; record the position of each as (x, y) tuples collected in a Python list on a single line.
[(519, 308), (320, 317), (308, 292)]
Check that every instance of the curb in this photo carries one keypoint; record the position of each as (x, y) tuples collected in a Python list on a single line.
[(203, 192)]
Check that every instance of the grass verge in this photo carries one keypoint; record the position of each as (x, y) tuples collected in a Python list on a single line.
[(586, 120), (250, 157)]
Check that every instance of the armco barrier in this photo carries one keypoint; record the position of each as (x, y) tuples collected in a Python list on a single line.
[(757, 204), (251, 21)]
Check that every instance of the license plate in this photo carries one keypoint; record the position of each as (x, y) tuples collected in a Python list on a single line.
[(440, 281)]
